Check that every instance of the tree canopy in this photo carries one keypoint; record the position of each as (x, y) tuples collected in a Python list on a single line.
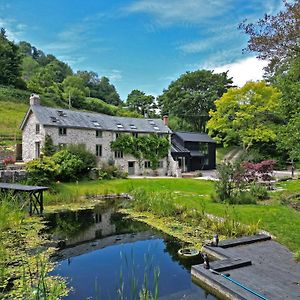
[(10, 62), (276, 38), (192, 96), (246, 115), (141, 103)]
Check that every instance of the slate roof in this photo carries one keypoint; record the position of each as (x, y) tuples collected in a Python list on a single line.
[(194, 137), (86, 120), (177, 148)]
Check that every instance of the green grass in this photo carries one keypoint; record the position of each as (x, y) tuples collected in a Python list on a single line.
[(279, 220), (11, 116)]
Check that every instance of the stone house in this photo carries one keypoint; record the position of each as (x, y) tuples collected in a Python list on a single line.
[(93, 130)]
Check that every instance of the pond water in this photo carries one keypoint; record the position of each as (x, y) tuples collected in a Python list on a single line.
[(106, 256)]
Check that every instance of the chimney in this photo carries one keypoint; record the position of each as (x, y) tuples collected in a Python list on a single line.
[(166, 120), (34, 99)]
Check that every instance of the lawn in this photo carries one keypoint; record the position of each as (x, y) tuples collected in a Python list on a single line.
[(281, 221)]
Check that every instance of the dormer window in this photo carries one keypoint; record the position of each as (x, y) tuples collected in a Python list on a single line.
[(120, 126), (132, 126), (96, 123), (61, 113), (54, 119), (155, 127), (151, 122), (62, 131)]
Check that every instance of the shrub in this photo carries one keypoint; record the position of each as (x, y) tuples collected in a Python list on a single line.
[(108, 171), (88, 159), (42, 171), (69, 165), (49, 149), (258, 191)]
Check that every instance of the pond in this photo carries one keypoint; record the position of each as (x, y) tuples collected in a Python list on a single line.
[(106, 256)]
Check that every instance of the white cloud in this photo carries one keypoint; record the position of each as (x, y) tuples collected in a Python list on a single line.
[(114, 75), (14, 29), (244, 70), (188, 11), (168, 12)]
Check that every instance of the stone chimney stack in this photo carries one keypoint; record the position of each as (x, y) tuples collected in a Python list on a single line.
[(34, 99), (166, 120)]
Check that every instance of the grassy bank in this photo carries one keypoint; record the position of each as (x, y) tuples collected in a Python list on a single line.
[(281, 221)]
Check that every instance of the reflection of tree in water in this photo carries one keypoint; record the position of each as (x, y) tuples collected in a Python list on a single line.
[(126, 225), (69, 223)]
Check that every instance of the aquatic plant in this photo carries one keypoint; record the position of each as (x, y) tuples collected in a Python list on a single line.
[(24, 262)]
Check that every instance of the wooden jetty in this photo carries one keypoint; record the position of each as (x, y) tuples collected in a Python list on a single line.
[(257, 263), (35, 194)]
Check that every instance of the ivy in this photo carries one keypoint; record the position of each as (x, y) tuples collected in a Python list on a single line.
[(149, 147)]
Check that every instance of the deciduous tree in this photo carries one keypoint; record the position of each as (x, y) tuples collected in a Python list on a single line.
[(246, 115), (192, 96)]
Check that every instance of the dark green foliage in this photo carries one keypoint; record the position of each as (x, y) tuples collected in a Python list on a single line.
[(42, 171), (10, 62), (107, 92), (88, 159), (69, 165), (150, 147), (49, 148), (141, 103), (192, 96)]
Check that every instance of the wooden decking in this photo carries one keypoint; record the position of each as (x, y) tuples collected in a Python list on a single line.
[(35, 193), (258, 263)]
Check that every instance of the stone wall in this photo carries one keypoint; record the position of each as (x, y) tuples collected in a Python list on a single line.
[(29, 138)]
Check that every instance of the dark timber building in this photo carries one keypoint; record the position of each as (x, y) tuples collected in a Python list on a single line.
[(193, 151)]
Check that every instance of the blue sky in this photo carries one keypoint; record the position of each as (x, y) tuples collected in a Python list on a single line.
[(140, 44)]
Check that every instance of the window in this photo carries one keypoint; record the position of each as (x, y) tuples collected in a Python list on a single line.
[(37, 128), (96, 123), (203, 148), (151, 122), (37, 149), (161, 164), (120, 126), (118, 135), (147, 164), (155, 127), (98, 150), (98, 133), (62, 131), (132, 126), (135, 134), (118, 154)]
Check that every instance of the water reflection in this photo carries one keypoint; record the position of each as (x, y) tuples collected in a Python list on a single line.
[(90, 254)]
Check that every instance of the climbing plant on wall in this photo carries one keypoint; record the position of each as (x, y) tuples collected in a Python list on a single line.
[(149, 147)]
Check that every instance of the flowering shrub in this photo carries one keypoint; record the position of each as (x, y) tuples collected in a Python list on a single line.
[(9, 160)]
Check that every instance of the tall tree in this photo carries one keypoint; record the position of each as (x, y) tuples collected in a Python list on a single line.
[(192, 96), (140, 102), (75, 90), (107, 92), (10, 62), (246, 115), (276, 38)]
